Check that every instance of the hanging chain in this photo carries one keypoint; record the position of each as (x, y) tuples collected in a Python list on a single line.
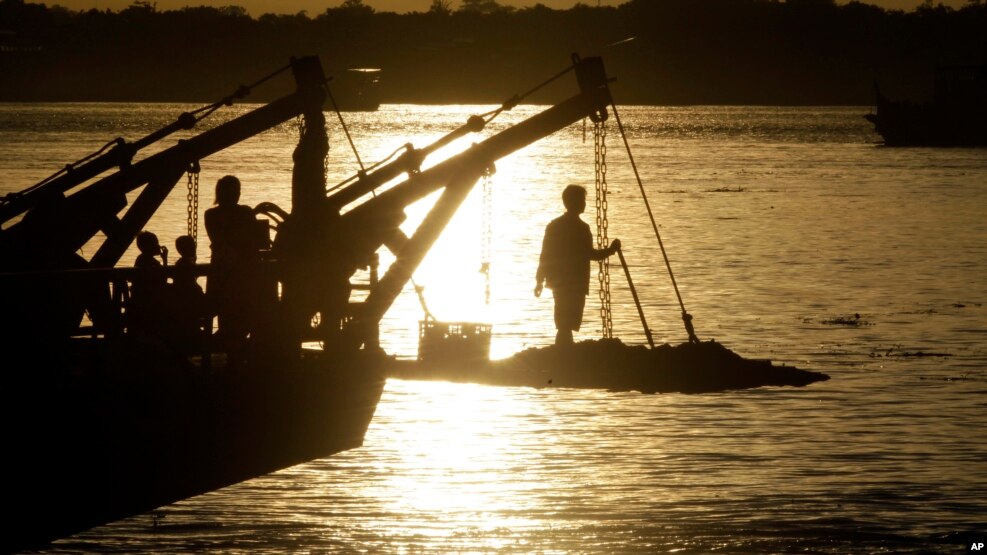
[(602, 223), (193, 201), (486, 231), (301, 126), (325, 164)]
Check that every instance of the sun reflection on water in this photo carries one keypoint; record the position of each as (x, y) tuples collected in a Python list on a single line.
[(885, 457), (456, 462)]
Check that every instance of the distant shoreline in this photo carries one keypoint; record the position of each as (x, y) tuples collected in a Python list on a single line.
[(669, 53)]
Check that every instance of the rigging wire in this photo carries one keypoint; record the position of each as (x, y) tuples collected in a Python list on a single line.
[(486, 118), (67, 168), (346, 131), (241, 92), (513, 101), (192, 118), (406, 147), (686, 317)]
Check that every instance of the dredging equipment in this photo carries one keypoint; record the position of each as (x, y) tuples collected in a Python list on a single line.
[(104, 417)]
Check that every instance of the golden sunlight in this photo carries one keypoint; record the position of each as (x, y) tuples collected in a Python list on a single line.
[(453, 458), (455, 289)]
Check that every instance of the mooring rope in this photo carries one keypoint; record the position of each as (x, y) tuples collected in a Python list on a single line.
[(346, 131)]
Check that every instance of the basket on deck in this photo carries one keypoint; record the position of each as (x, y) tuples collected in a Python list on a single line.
[(453, 342)]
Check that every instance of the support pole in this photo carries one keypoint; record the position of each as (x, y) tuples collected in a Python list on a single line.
[(140, 212), (637, 301), (414, 250)]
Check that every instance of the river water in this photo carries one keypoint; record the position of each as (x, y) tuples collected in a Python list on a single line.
[(792, 235)]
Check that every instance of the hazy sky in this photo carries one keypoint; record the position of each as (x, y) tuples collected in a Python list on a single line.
[(314, 7)]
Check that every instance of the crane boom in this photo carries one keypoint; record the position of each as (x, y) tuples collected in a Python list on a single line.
[(56, 226)]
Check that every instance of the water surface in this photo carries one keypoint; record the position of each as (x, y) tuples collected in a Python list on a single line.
[(792, 236)]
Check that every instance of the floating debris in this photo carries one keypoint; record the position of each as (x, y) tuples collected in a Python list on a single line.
[(919, 354), (853, 320), (895, 352)]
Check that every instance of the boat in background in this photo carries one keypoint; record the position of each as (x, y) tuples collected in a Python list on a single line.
[(957, 115), (356, 89)]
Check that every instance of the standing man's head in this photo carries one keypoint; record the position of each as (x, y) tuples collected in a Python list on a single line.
[(227, 190), (574, 199)]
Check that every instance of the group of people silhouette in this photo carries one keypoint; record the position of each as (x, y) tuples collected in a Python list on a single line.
[(175, 310), (180, 311)]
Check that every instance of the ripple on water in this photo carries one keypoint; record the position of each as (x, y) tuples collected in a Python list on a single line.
[(775, 220)]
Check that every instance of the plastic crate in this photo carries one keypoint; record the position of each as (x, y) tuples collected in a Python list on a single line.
[(453, 342)]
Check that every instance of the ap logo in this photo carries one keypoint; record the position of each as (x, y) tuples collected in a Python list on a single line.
[(978, 547)]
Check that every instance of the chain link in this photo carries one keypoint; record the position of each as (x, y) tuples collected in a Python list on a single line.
[(602, 223), (301, 126), (486, 232), (193, 201), (325, 163)]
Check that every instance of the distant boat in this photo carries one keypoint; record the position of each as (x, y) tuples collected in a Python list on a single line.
[(957, 116), (357, 89)]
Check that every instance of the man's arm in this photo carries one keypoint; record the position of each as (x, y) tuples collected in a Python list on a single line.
[(600, 254), (542, 273)]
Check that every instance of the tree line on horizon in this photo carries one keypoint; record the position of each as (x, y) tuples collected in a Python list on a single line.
[(672, 52)]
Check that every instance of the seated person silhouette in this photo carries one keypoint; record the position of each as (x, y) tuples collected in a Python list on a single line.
[(187, 306), (184, 275), (148, 285)]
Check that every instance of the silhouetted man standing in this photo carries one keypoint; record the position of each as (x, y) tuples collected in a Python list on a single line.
[(564, 265), (232, 232)]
